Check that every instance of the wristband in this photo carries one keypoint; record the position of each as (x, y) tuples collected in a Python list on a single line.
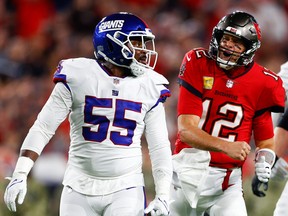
[(268, 153), (24, 165)]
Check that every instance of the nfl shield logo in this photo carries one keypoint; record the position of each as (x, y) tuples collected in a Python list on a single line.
[(116, 81), (229, 84)]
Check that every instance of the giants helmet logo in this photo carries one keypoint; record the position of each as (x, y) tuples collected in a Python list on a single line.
[(111, 25)]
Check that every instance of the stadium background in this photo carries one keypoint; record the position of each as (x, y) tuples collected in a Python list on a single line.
[(36, 34)]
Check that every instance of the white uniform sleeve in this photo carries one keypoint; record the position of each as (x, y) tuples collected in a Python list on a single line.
[(53, 113), (159, 149), (283, 73)]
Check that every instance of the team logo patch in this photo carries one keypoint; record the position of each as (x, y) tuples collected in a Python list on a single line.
[(208, 82), (59, 68), (233, 30), (115, 92), (111, 25), (182, 69)]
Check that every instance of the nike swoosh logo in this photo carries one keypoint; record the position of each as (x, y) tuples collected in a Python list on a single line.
[(16, 181), (188, 58), (164, 203)]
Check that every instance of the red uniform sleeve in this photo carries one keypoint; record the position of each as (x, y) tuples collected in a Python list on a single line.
[(263, 126), (273, 95), (188, 103), (272, 99), (190, 81)]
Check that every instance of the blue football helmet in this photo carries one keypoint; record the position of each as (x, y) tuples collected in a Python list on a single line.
[(112, 42)]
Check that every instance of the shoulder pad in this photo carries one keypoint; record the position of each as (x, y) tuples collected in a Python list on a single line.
[(284, 66), (157, 78), (77, 62), (69, 69)]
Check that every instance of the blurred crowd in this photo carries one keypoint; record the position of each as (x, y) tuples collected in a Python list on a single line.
[(36, 34)]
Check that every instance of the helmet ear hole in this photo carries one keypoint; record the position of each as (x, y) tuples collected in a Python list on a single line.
[(127, 53), (110, 46)]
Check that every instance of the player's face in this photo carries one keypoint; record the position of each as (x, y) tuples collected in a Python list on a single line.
[(231, 48), (140, 54)]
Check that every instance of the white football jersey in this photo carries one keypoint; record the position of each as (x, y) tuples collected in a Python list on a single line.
[(284, 76), (107, 118)]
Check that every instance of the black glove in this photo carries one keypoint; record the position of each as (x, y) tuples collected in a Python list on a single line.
[(256, 185)]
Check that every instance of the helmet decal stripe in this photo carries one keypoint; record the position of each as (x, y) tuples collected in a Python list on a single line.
[(258, 31)]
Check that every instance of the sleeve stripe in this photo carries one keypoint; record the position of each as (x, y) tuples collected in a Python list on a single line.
[(163, 96), (276, 109), (190, 88), (61, 78)]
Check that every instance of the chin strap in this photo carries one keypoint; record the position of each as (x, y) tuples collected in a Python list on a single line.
[(224, 64), (137, 70)]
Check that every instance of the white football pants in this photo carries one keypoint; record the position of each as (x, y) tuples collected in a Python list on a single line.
[(128, 202), (231, 202), (212, 199), (282, 204)]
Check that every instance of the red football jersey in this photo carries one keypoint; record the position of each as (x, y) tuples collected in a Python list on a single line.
[(230, 108)]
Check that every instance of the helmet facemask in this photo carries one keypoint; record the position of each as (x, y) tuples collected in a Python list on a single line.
[(228, 58), (130, 51), (144, 54)]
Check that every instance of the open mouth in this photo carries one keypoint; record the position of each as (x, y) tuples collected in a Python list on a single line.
[(227, 54), (143, 59)]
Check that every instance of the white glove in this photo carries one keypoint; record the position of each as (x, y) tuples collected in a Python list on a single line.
[(158, 207), (16, 187), (280, 170), (263, 169)]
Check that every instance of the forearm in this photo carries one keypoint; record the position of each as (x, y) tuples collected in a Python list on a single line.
[(159, 150), (28, 153), (280, 168), (281, 140), (162, 170), (268, 143), (36, 139), (198, 138), (25, 161), (192, 135), (281, 135)]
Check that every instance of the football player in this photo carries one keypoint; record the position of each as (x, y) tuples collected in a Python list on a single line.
[(280, 169), (111, 102), (224, 98)]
